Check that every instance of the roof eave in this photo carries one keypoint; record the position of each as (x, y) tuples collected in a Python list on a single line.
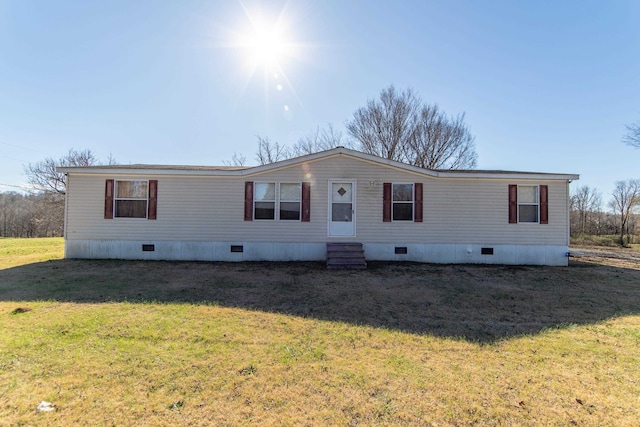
[(338, 151)]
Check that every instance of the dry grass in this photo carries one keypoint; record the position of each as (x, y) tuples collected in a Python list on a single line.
[(627, 258), (155, 343)]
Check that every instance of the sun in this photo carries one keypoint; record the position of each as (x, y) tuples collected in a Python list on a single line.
[(267, 47), (266, 44)]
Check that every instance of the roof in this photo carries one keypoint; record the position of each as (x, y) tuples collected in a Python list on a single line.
[(145, 167), (136, 169)]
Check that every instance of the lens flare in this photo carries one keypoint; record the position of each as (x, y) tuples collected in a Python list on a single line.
[(264, 42)]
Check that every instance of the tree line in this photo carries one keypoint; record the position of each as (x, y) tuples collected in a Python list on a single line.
[(31, 215), (40, 213), (588, 218)]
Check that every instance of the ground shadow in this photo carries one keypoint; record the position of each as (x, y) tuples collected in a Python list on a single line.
[(476, 303)]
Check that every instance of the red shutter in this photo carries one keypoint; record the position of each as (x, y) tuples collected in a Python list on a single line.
[(417, 202), (513, 204), (306, 202), (386, 202), (544, 204), (153, 199), (108, 199), (248, 201)]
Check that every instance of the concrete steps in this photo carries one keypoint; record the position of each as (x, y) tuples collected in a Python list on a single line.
[(345, 256)]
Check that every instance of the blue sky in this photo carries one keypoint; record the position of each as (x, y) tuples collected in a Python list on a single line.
[(546, 86)]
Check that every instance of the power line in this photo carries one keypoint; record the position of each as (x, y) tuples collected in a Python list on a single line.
[(13, 158), (22, 187), (21, 147)]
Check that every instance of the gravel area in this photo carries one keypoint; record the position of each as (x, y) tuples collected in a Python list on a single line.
[(609, 256)]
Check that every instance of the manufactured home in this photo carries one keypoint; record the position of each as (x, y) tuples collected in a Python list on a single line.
[(294, 210)]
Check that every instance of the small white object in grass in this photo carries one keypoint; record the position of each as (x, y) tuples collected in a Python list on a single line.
[(45, 407)]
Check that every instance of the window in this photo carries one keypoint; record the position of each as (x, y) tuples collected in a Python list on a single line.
[(402, 202), (265, 200), (281, 201), (290, 197), (131, 198), (529, 204)]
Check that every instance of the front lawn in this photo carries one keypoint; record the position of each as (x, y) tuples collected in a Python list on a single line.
[(162, 343)]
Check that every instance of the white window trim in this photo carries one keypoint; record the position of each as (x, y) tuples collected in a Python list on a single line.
[(277, 201), (116, 198), (413, 202)]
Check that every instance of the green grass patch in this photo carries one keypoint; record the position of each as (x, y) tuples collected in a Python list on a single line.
[(14, 252), (172, 364), (158, 343)]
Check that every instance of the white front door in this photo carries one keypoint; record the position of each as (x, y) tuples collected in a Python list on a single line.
[(342, 208)]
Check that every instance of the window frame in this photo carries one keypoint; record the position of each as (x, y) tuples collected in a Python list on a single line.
[(536, 204), (116, 199), (412, 202), (280, 200), (274, 200), (277, 200)]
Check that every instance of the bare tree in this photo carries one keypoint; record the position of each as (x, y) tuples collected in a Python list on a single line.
[(632, 137), (320, 139), (441, 142), (331, 138), (386, 125), (236, 160), (271, 152), (42, 213), (626, 196), (43, 175), (585, 202), (398, 126)]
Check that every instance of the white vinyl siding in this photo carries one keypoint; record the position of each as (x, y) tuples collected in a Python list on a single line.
[(210, 208)]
